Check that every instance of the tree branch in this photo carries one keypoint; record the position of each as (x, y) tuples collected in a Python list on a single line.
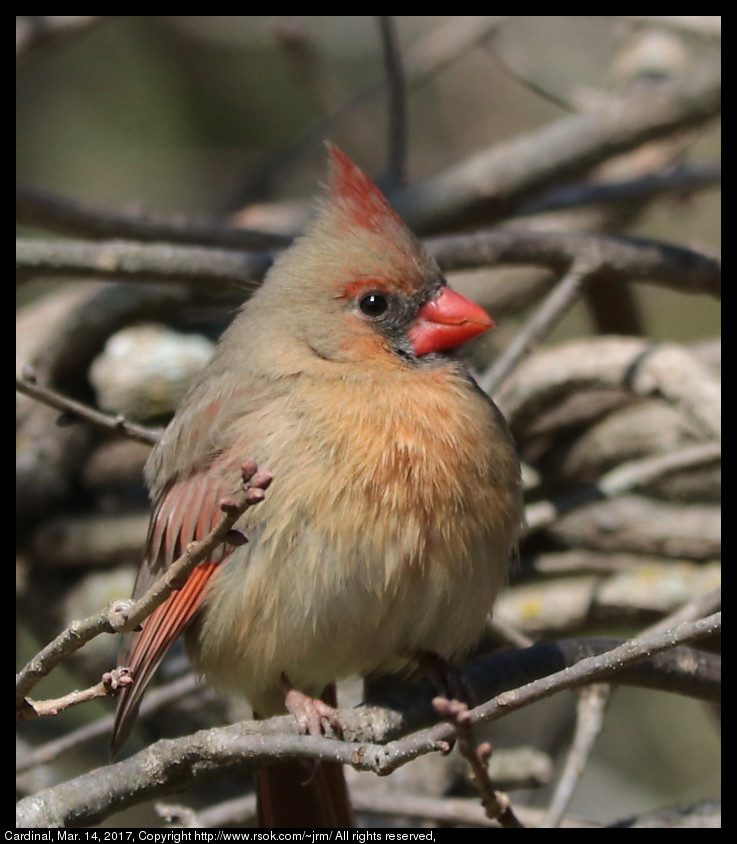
[(170, 765), (681, 269), (46, 209), (396, 83), (553, 308), (123, 615), (218, 269), (622, 479), (53, 398), (489, 185), (639, 367), (627, 258)]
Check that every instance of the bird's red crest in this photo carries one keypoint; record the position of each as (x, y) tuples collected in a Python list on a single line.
[(359, 198)]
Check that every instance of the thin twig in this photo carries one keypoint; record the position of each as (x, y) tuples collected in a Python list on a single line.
[(174, 691), (698, 607), (592, 705), (124, 615), (119, 424), (495, 803), (430, 55), (111, 682), (552, 309), (590, 711), (396, 83)]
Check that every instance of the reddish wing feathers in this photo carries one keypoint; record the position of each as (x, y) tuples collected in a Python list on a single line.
[(187, 512)]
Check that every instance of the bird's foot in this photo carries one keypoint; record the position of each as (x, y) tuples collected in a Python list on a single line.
[(449, 680), (312, 714)]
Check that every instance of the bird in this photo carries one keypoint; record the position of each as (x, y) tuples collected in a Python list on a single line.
[(396, 500)]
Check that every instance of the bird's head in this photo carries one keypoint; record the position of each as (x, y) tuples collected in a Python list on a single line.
[(358, 286)]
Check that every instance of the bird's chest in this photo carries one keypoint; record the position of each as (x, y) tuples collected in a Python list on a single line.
[(392, 482), (385, 531), (421, 442)]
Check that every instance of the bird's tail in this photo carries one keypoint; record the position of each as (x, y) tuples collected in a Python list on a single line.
[(303, 794), (299, 795)]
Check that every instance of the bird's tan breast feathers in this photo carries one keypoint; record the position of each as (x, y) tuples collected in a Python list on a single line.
[(387, 530), (426, 455)]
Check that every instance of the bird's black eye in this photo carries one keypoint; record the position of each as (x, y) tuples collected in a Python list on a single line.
[(374, 305)]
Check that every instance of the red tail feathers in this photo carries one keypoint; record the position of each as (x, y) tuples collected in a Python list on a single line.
[(303, 794)]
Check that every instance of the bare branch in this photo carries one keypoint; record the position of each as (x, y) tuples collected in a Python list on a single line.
[(590, 711), (429, 56), (607, 666), (592, 705), (122, 615), (111, 682), (679, 180), (556, 304), (496, 804), (155, 699), (170, 765), (217, 268), (488, 186), (640, 367), (682, 269), (627, 258), (566, 602), (622, 479), (49, 210), (117, 424)]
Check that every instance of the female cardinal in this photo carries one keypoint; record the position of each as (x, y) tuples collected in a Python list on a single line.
[(396, 500)]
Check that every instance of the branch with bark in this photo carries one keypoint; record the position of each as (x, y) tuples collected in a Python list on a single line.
[(125, 615), (172, 764)]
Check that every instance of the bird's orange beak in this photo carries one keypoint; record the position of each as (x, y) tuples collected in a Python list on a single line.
[(447, 321)]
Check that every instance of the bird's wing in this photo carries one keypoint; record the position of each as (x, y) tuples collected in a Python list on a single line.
[(187, 511)]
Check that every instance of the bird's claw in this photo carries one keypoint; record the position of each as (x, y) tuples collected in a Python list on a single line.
[(311, 713)]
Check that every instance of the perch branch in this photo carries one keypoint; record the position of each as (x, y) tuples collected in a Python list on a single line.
[(170, 765)]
